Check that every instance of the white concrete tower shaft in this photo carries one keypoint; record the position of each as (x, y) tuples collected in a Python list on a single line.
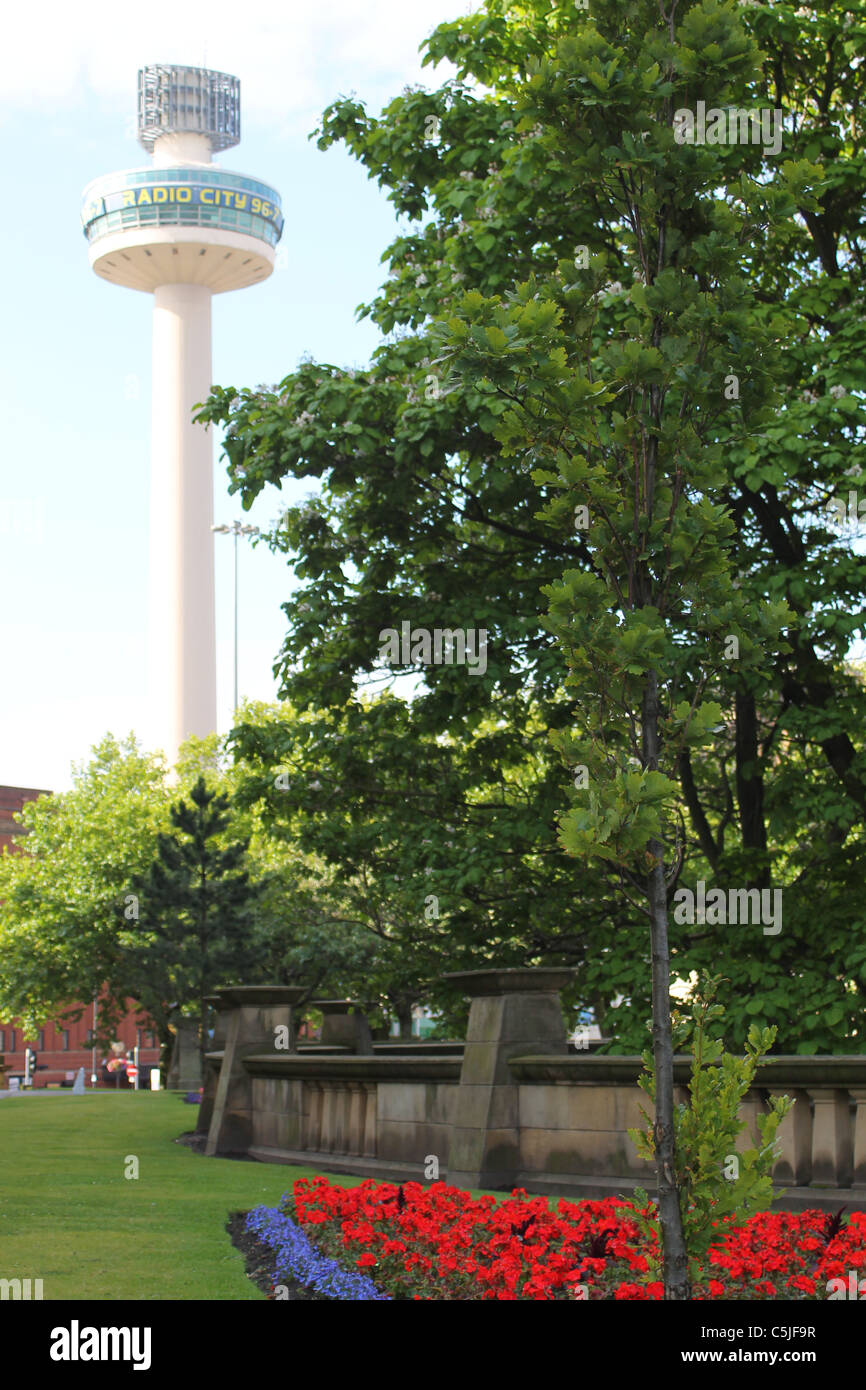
[(182, 625)]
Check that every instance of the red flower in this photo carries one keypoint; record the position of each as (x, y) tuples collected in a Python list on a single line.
[(439, 1242), (802, 1282)]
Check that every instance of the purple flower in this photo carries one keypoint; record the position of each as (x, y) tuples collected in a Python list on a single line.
[(298, 1259)]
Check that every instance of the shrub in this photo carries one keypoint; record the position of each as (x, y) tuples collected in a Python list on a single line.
[(717, 1186)]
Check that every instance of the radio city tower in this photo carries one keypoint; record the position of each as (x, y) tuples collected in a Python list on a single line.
[(182, 229)]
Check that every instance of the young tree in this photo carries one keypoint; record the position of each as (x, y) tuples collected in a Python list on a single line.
[(637, 426), (194, 907)]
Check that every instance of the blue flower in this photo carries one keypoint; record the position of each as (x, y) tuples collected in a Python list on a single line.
[(298, 1259)]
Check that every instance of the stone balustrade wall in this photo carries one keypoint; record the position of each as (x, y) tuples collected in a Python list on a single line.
[(374, 1115), (575, 1113), (515, 1109)]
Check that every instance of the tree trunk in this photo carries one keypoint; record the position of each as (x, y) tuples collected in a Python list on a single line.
[(599, 1012), (750, 788), (404, 1018), (700, 824), (202, 1032), (676, 1265)]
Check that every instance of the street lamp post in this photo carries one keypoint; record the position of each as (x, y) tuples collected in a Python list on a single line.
[(93, 1049), (236, 529)]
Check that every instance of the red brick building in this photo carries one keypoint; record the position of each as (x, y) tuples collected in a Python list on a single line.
[(12, 799), (65, 1045)]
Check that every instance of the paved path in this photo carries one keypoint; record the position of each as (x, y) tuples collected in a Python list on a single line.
[(44, 1091)]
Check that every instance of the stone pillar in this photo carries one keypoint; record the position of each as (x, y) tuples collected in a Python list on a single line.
[(344, 1025), (313, 1115), (355, 1137), (794, 1140), (749, 1137), (832, 1148), (859, 1157), (371, 1118), (184, 1072), (253, 1015), (213, 1062), (329, 1116), (341, 1117), (514, 1013)]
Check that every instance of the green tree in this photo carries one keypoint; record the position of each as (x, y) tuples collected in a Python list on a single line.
[(435, 850), (60, 896), (636, 431), (68, 911), (718, 1188), (194, 905), (422, 517)]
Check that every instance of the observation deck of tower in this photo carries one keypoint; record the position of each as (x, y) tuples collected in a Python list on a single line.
[(182, 229)]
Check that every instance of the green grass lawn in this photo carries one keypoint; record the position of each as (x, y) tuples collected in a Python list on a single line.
[(68, 1215)]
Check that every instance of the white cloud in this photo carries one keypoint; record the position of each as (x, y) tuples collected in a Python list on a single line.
[(292, 59)]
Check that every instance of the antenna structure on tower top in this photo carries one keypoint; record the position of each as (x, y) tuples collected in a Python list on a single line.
[(174, 100)]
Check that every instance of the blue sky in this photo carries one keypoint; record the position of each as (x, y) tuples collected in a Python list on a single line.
[(75, 381)]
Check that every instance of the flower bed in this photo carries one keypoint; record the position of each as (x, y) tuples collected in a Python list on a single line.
[(438, 1242)]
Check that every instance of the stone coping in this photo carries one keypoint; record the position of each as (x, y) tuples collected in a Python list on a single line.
[(518, 980), (598, 1186), (353, 1068), (256, 995), (395, 1049), (784, 1070), (333, 1006), (382, 1169), (848, 1072)]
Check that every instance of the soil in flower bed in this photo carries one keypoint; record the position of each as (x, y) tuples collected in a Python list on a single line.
[(259, 1262)]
